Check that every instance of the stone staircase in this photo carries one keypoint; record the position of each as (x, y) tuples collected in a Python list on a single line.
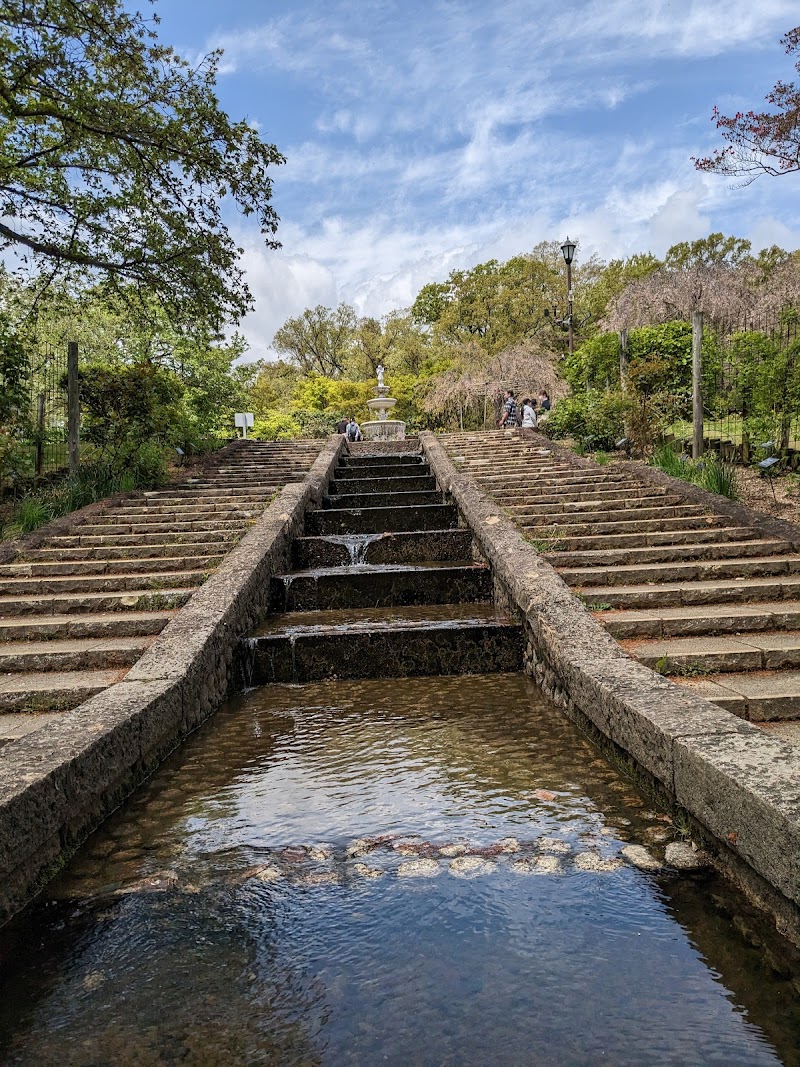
[(78, 610), (707, 600), (385, 586)]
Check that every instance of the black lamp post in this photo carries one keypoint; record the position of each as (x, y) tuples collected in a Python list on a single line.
[(568, 250)]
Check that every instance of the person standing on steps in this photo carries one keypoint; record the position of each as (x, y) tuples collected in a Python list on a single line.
[(341, 426), (544, 405), (353, 430), (528, 417), (509, 416)]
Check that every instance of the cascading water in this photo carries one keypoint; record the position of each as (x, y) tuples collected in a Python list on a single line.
[(356, 545)]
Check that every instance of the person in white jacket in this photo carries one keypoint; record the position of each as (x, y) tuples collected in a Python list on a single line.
[(528, 417)]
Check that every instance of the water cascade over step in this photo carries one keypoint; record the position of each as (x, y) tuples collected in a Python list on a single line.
[(385, 586)]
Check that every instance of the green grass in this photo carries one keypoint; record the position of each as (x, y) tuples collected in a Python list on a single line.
[(710, 473), (90, 484)]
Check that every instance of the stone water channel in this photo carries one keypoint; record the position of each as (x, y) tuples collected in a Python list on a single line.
[(390, 848)]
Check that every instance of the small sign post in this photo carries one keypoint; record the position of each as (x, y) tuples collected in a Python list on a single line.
[(243, 419)]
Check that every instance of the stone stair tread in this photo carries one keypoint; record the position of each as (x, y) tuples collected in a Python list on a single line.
[(702, 552), (787, 731), (382, 568), (80, 599), (781, 689), (58, 681), (702, 564), (771, 582), (13, 625), (342, 620), (17, 648), (739, 652)]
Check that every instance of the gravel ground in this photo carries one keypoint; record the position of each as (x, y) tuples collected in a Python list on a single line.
[(754, 490)]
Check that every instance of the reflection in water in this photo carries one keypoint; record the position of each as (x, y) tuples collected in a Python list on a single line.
[(417, 871)]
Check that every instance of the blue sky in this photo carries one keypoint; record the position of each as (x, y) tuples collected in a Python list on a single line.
[(424, 136)]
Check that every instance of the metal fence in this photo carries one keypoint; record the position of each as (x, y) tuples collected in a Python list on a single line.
[(750, 382), (47, 439)]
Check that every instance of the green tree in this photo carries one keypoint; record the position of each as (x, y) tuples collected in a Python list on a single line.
[(318, 340), (716, 250), (115, 157)]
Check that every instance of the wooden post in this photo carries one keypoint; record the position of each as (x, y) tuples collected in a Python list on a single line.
[(73, 407), (39, 434), (697, 384), (623, 358)]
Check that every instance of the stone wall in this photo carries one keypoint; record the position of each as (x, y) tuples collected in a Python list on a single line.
[(58, 783), (739, 785)]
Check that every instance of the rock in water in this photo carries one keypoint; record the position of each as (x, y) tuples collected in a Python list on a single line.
[(552, 844), (321, 852), (452, 850), (508, 844), (424, 868), (364, 871), (547, 865), (683, 856), (593, 861), (638, 856), (270, 873), (471, 867)]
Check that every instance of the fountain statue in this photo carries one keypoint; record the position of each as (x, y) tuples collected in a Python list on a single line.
[(383, 428)]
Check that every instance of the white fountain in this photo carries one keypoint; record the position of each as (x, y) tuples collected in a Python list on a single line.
[(383, 428)]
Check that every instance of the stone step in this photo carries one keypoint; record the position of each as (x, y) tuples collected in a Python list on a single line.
[(144, 529), (380, 585), (193, 549), (534, 517), (607, 497), (672, 594), (73, 654), (53, 690), (221, 537), (97, 583), (385, 650), (96, 567), (359, 486), (607, 530), (92, 603), (181, 512), (705, 655), (68, 627), (707, 619), (381, 520), (383, 461), (368, 472), (557, 505), (564, 545), (708, 549), (698, 570), (381, 500), (339, 550), (167, 520), (760, 696)]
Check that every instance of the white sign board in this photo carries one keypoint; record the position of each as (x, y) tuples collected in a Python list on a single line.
[(243, 419)]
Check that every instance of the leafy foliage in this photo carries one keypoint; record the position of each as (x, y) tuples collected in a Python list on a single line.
[(761, 142), (115, 157)]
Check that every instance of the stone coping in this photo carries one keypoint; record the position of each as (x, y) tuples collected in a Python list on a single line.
[(59, 783), (741, 785)]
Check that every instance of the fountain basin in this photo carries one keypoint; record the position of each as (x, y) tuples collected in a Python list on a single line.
[(383, 429)]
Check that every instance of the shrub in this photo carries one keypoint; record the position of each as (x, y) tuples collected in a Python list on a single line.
[(595, 419), (276, 427)]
